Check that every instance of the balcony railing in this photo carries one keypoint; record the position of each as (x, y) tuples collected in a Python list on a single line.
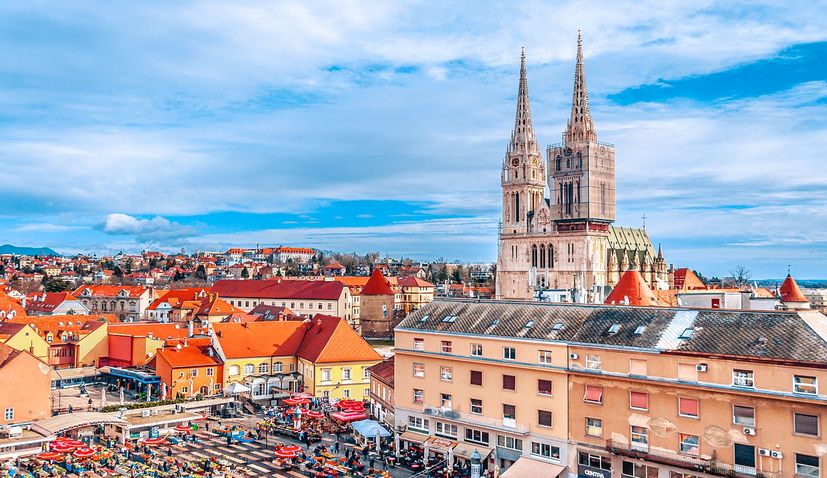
[(454, 414), (687, 462)]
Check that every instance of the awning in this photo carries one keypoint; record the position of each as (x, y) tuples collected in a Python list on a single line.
[(346, 417), (369, 428), (530, 468), (464, 450), (236, 388), (440, 445), (413, 437)]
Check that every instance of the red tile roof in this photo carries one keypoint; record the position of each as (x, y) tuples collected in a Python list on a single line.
[(280, 289), (790, 292), (632, 288), (274, 338), (377, 285), (413, 281), (331, 340), (188, 356), (384, 370), (76, 325), (110, 290), (685, 279), (144, 329), (47, 301)]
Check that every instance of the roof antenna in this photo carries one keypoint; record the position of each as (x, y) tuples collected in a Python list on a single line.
[(788, 270)]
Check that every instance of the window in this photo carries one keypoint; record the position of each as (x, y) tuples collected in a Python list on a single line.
[(743, 378), (476, 350), (346, 374), (509, 382), (185, 389), (635, 470), (8, 414), (329, 306), (327, 375), (593, 394), (417, 395), (419, 369), (687, 333), (263, 368), (249, 369), (447, 347), (690, 444), (476, 377), (639, 400), (594, 461), (544, 387), (744, 416), (445, 400), (234, 370), (688, 407), (805, 384), (593, 362), (419, 423), (509, 353), (745, 457), (640, 438), (510, 442), (446, 429), (594, 427), (346, 393), (278, 367), (476, 436), (806, 465), (194, 372), (476, 406), (806, 424), (210, 372), (509, 412), (365, 373), (545, 450), (544, 418), (544, 356), (419, 344), (637, 367), (446, 374)]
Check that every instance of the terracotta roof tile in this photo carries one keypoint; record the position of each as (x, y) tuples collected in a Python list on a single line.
[(377, 285)]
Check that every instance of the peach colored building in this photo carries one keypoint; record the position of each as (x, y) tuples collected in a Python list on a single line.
[(24, 387), (602, 391)]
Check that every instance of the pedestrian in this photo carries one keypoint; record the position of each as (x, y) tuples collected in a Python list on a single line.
[(385, 464), (372, 462), (336, 447), (208, 426)]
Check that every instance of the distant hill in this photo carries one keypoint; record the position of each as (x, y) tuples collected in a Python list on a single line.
[(27, 251)]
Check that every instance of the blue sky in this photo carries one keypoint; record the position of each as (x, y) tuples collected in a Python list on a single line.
[(381, 126)]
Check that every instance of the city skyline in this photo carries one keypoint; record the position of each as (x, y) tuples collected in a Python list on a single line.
[(383, 128)]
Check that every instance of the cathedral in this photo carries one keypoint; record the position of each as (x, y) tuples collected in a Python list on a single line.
[(565, 247)]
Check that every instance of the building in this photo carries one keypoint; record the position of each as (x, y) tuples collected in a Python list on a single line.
[(128, 303), (791, 296), (567, 241), (381, 391), (74, 340), (9, 307), (304, 297), (416, 292), (376, 307), (133, 344), (25, 382), (24, 337), (599, 390), (296, 255), (58, 303), (175, 305), (333, 360), (817, 298), (189, 370)]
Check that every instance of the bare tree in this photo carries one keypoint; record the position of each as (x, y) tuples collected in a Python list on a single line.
[(741, 276)]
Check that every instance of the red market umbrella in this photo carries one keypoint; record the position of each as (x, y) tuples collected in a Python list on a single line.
[(49, 455), (347, 403), (183, 428), (296, 401), (289, 448), (284, 454), (84, 453), (347, 416), (354, 408), (61, 447), (303, 395), (315, 414), (153, 441)]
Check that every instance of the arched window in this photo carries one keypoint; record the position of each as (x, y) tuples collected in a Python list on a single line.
[(550, 256), (263, 367), (557, 162), (249, 369), (542, 256), (534, 256), (278, 367)]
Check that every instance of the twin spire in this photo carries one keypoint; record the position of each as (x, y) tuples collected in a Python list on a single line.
[(522, 137), (580, 126)]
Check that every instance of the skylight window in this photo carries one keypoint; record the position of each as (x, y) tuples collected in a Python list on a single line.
[(614, 328), (529, 324), (639, 330), (558, 326), (495, 322), (450, 319), (687, 333), (424, 318)]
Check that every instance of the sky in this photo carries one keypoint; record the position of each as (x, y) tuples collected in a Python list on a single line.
[(382, 126)]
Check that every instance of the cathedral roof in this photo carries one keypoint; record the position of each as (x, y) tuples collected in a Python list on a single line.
[(580, 126), (630, 239), (522, 138), (631, 289), (790, 292)]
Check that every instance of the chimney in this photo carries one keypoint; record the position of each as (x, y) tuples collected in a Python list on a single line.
[(190, 329)]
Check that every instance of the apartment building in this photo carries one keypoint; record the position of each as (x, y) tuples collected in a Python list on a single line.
[(618, 391)]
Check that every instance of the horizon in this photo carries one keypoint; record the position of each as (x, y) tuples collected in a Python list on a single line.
[(382, 127)]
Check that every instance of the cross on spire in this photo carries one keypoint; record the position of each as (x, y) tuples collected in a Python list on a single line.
[(580, 126), (522, 137)]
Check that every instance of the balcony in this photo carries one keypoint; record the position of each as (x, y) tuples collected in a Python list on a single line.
[(454, 414), (687, 462)]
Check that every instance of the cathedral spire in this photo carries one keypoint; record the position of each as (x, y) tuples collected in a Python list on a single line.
[(580, 127), (522, 137)]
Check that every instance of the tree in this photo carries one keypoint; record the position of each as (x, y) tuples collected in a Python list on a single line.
[(201, 272), (118, 272), (55, 284), (245, 274), (457, 276), (740, 275)]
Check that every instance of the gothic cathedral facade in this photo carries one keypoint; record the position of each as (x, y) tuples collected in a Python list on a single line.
[(567, 242)]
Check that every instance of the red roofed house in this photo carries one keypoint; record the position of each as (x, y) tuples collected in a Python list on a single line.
[(376, 310), (9, 307), (189, 370), (631, 289), (74, 340), (57, 303), (297, 255), (381, 391), (128, 303), (335, 268), (132, 344), (304, 297), (791, 295), (416, 293), (686, 279), (25, 382)]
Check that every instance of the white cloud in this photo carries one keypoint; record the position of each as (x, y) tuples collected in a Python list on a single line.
[(145, 230)]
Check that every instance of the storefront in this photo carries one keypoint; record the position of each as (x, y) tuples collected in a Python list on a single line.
[(592, 465), (525, 467)]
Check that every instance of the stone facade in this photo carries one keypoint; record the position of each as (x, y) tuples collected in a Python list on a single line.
[(566, 242)]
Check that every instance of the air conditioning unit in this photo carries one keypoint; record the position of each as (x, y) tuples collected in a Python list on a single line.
[(573, 356), (701, 367), (776, 454), (144, 413), (764, 452), (749, 431)]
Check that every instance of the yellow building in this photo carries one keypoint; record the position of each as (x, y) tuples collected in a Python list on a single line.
[(23, 337)]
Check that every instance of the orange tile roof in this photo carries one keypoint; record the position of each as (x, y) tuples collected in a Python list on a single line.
[(110, 290), (56, 324), (686, 279), (144, 329), (631, 289), (331, 340), (413, 281), (187, 356), (790, 291), (274, 338)]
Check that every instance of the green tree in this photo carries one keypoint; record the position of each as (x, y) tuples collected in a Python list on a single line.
[(201, 272), (56, 284), (118, 272), (245, 274)]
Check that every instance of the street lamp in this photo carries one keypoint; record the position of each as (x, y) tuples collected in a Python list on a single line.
[(475, 464)]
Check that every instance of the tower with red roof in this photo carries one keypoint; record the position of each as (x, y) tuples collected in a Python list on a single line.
[(376, 306)]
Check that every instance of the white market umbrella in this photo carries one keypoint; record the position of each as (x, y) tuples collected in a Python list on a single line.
[(378, 440), (103, 397), (450, 458), (149, 393), (121, 394), (163, 391), (235, 388)]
